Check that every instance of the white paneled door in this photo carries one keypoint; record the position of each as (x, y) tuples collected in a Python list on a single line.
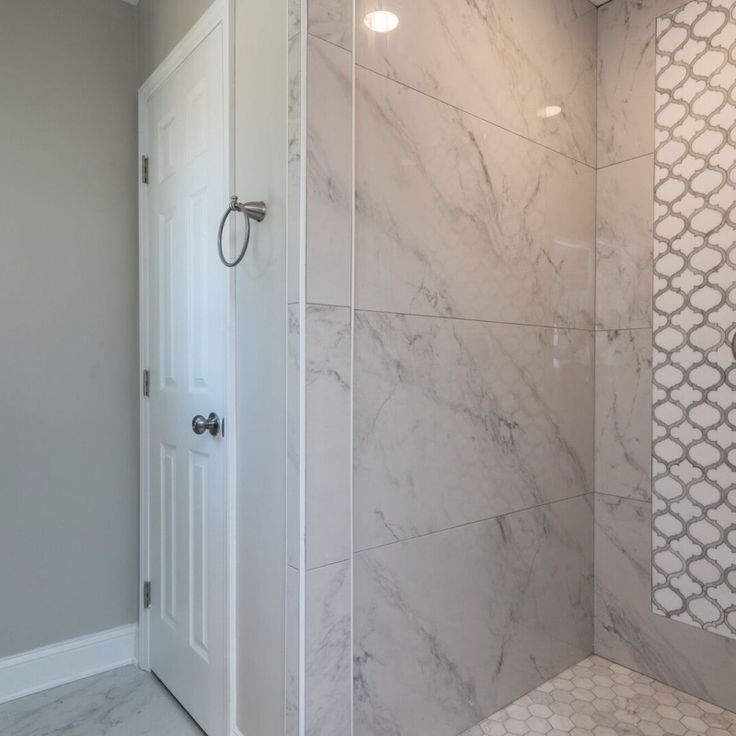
[(187, 358)]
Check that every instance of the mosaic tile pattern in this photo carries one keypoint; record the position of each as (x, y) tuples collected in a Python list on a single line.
[(599, 698), (694, 412)]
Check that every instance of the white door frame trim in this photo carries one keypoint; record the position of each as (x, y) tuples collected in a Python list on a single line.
[(220, 13)]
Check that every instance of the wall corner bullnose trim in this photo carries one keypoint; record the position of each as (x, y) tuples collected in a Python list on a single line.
[(58, 664)]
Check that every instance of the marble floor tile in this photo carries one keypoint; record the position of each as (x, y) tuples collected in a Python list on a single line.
[(122, 702), (458, 218), (458, 421), (451, 626), (503, 60), (599, 698)]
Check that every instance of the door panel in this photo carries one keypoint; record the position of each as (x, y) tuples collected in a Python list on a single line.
[(187, 292)]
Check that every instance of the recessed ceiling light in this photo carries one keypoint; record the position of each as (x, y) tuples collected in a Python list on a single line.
[(549, 111), (381, 21)]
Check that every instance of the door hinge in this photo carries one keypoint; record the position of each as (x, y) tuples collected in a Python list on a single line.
[(147, 594), (146, 382), (144, 169)]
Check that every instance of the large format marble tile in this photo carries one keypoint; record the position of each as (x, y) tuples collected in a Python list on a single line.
[(452, 626), (328, 435), (295, 154), (626, 77), (626, 629), (457, 217), (623, 413), (329, 173), (122, 702), (332, 20), (625, 212), (457, 421), (503, 60), (328, 651)]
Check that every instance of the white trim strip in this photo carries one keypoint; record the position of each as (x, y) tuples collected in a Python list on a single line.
[(67, 661)]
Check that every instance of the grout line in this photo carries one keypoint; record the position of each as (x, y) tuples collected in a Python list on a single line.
[(328, 564), (625, 160), (331, 43), (475, 521), (472, 319), (623, 498), (476, 116)]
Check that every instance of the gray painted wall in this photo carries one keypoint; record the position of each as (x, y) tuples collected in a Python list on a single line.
[(161, 25), (68, 320)]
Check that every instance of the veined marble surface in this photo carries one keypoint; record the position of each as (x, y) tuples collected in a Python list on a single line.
[(332, 20), (329, 173), (625, 204), (291, 693), (451, 626), (328, 651), (629, 632), (457, 421), (328, 435), (599, 698), (293, 499), (122, 702), (456, 217), (626, 77), (623, 413), (503, 60)]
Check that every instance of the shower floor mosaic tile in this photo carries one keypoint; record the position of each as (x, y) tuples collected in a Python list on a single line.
[(600, 698)]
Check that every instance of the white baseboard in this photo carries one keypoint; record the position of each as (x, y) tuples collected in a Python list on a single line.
[(40, 669)]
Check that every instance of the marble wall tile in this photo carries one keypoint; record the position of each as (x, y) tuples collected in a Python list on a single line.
[(294, 71), (626, 629), (293, 430), (291, 695), (328, 435), (328, 651), (625, 203), (457, 421), (457, 217), (503, 60), (332, 20), (626, 77), (623, 413), (452, 626), (329, 173)]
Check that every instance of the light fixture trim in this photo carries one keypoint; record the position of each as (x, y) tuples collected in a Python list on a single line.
[(381, 21)]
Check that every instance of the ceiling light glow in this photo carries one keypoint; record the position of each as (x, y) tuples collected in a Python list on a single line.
[(549, 111), (381, 21)]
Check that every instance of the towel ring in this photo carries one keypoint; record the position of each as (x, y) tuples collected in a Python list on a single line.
[(251, 211)]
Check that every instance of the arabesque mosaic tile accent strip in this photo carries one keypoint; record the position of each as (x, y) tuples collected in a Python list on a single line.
[(694, 366)]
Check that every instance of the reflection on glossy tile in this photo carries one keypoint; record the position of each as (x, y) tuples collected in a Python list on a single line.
[(626, 629), (625, 206), (503, 60), (328, 435), (457, 217), (457, 421), (332, 20), (623, 413), (329, 173), (451, 626), (602, 698), (328, 675), (626, 77), (122, 702)]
